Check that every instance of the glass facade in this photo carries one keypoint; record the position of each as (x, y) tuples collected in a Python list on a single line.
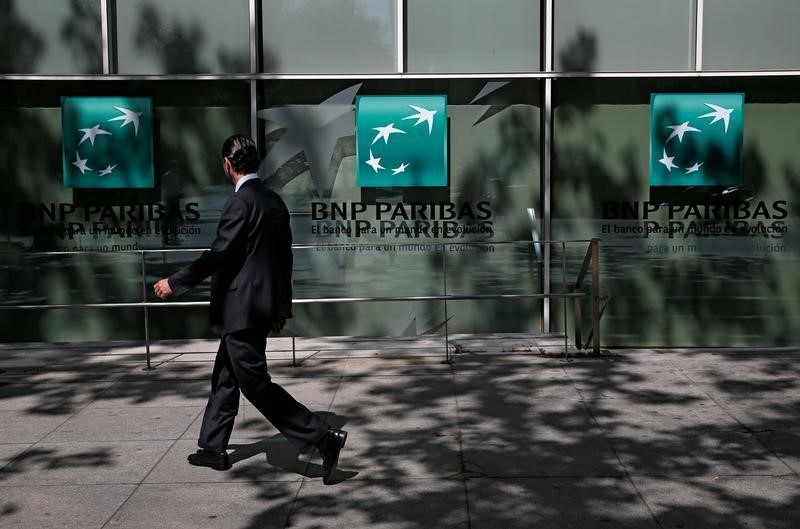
[(472, 36), (551, 128), (63, 42), (590, 37), (349, 36)]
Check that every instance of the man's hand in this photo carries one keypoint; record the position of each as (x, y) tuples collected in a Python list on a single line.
[(162, 289), (277, 326)]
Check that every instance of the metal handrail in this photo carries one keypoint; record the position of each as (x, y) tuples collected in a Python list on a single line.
[(146, 305), (598, 303)]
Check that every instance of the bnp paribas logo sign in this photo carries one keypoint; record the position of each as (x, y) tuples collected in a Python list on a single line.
[(401, 141), (107, 142), (696, 139)]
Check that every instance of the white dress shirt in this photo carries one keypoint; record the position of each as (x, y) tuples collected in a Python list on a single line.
[(244, 179)]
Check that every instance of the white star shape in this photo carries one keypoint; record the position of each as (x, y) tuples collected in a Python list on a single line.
[(81, 164), (108, 169), (719, 113), (667, 161), (694, 168), (423, 115), (91, 134), (385, 132), (400, 169), (375, 163), (128, 116), (680, 130)]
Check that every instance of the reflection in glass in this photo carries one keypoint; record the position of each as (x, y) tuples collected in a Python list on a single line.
[(687, 289), (653, 35), (175, 36), (334, 36), (751, 35), (37, 213), (50, 36), (472, 36), (493, 158)]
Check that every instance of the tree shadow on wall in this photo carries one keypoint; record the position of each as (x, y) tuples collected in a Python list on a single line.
[(660, 298)]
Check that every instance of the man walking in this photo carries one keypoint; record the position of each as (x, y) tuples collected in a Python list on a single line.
[(251, 294)]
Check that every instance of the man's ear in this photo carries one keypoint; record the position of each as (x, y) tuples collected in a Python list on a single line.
[(228, 167)]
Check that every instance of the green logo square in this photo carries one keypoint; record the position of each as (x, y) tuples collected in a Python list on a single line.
[(107, 142), (696, 139), (401, 141)]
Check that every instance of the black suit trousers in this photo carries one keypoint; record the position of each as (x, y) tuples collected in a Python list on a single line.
[(241, 365)]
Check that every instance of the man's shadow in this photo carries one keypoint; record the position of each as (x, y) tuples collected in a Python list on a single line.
[(282, 454)]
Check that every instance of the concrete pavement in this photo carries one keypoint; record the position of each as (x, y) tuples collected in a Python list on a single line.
[(505, 437)]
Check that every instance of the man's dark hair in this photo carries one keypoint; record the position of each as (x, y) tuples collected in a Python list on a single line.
[(241, 151)]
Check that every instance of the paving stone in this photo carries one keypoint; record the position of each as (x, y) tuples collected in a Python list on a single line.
[(688, 454), (380, 504), (498, 412), (22, 426), (154, 393), (767, 413), (49, 398), (60, 507), (555, 503), (786, 445), (207, 505), (755, 502), (9, 451), (397, 405), (125, 424), (543, 454), (627, 418), (84, 463)]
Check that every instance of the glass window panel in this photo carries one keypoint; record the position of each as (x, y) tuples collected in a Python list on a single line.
[(653, 35), (493, 157), (751, 35), (707, 288), (65, 41), (37, 213), (353, 36), (472, 36), (175, 36)]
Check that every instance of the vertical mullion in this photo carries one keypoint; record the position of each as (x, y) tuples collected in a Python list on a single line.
[(547, 36), (698, 35), (105, 22), (546, 124), (546, 169), (400, 40), (254, 68)]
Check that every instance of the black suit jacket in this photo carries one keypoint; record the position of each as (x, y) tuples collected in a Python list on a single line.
[(251, 260)]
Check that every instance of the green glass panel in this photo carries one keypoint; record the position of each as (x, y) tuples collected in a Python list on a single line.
[(493, 144), (176, 36), (334, 36), (50, 37), (472, 36), (750, 35), (595, 36), (706, 265)]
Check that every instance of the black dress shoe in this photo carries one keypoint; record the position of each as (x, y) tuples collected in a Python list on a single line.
[(207, 458), (329, 449)]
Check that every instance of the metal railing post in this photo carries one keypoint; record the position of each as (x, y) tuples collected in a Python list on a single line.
[(146, 314), (564, 282), (294, 353), (595, 246), (447, 358)]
